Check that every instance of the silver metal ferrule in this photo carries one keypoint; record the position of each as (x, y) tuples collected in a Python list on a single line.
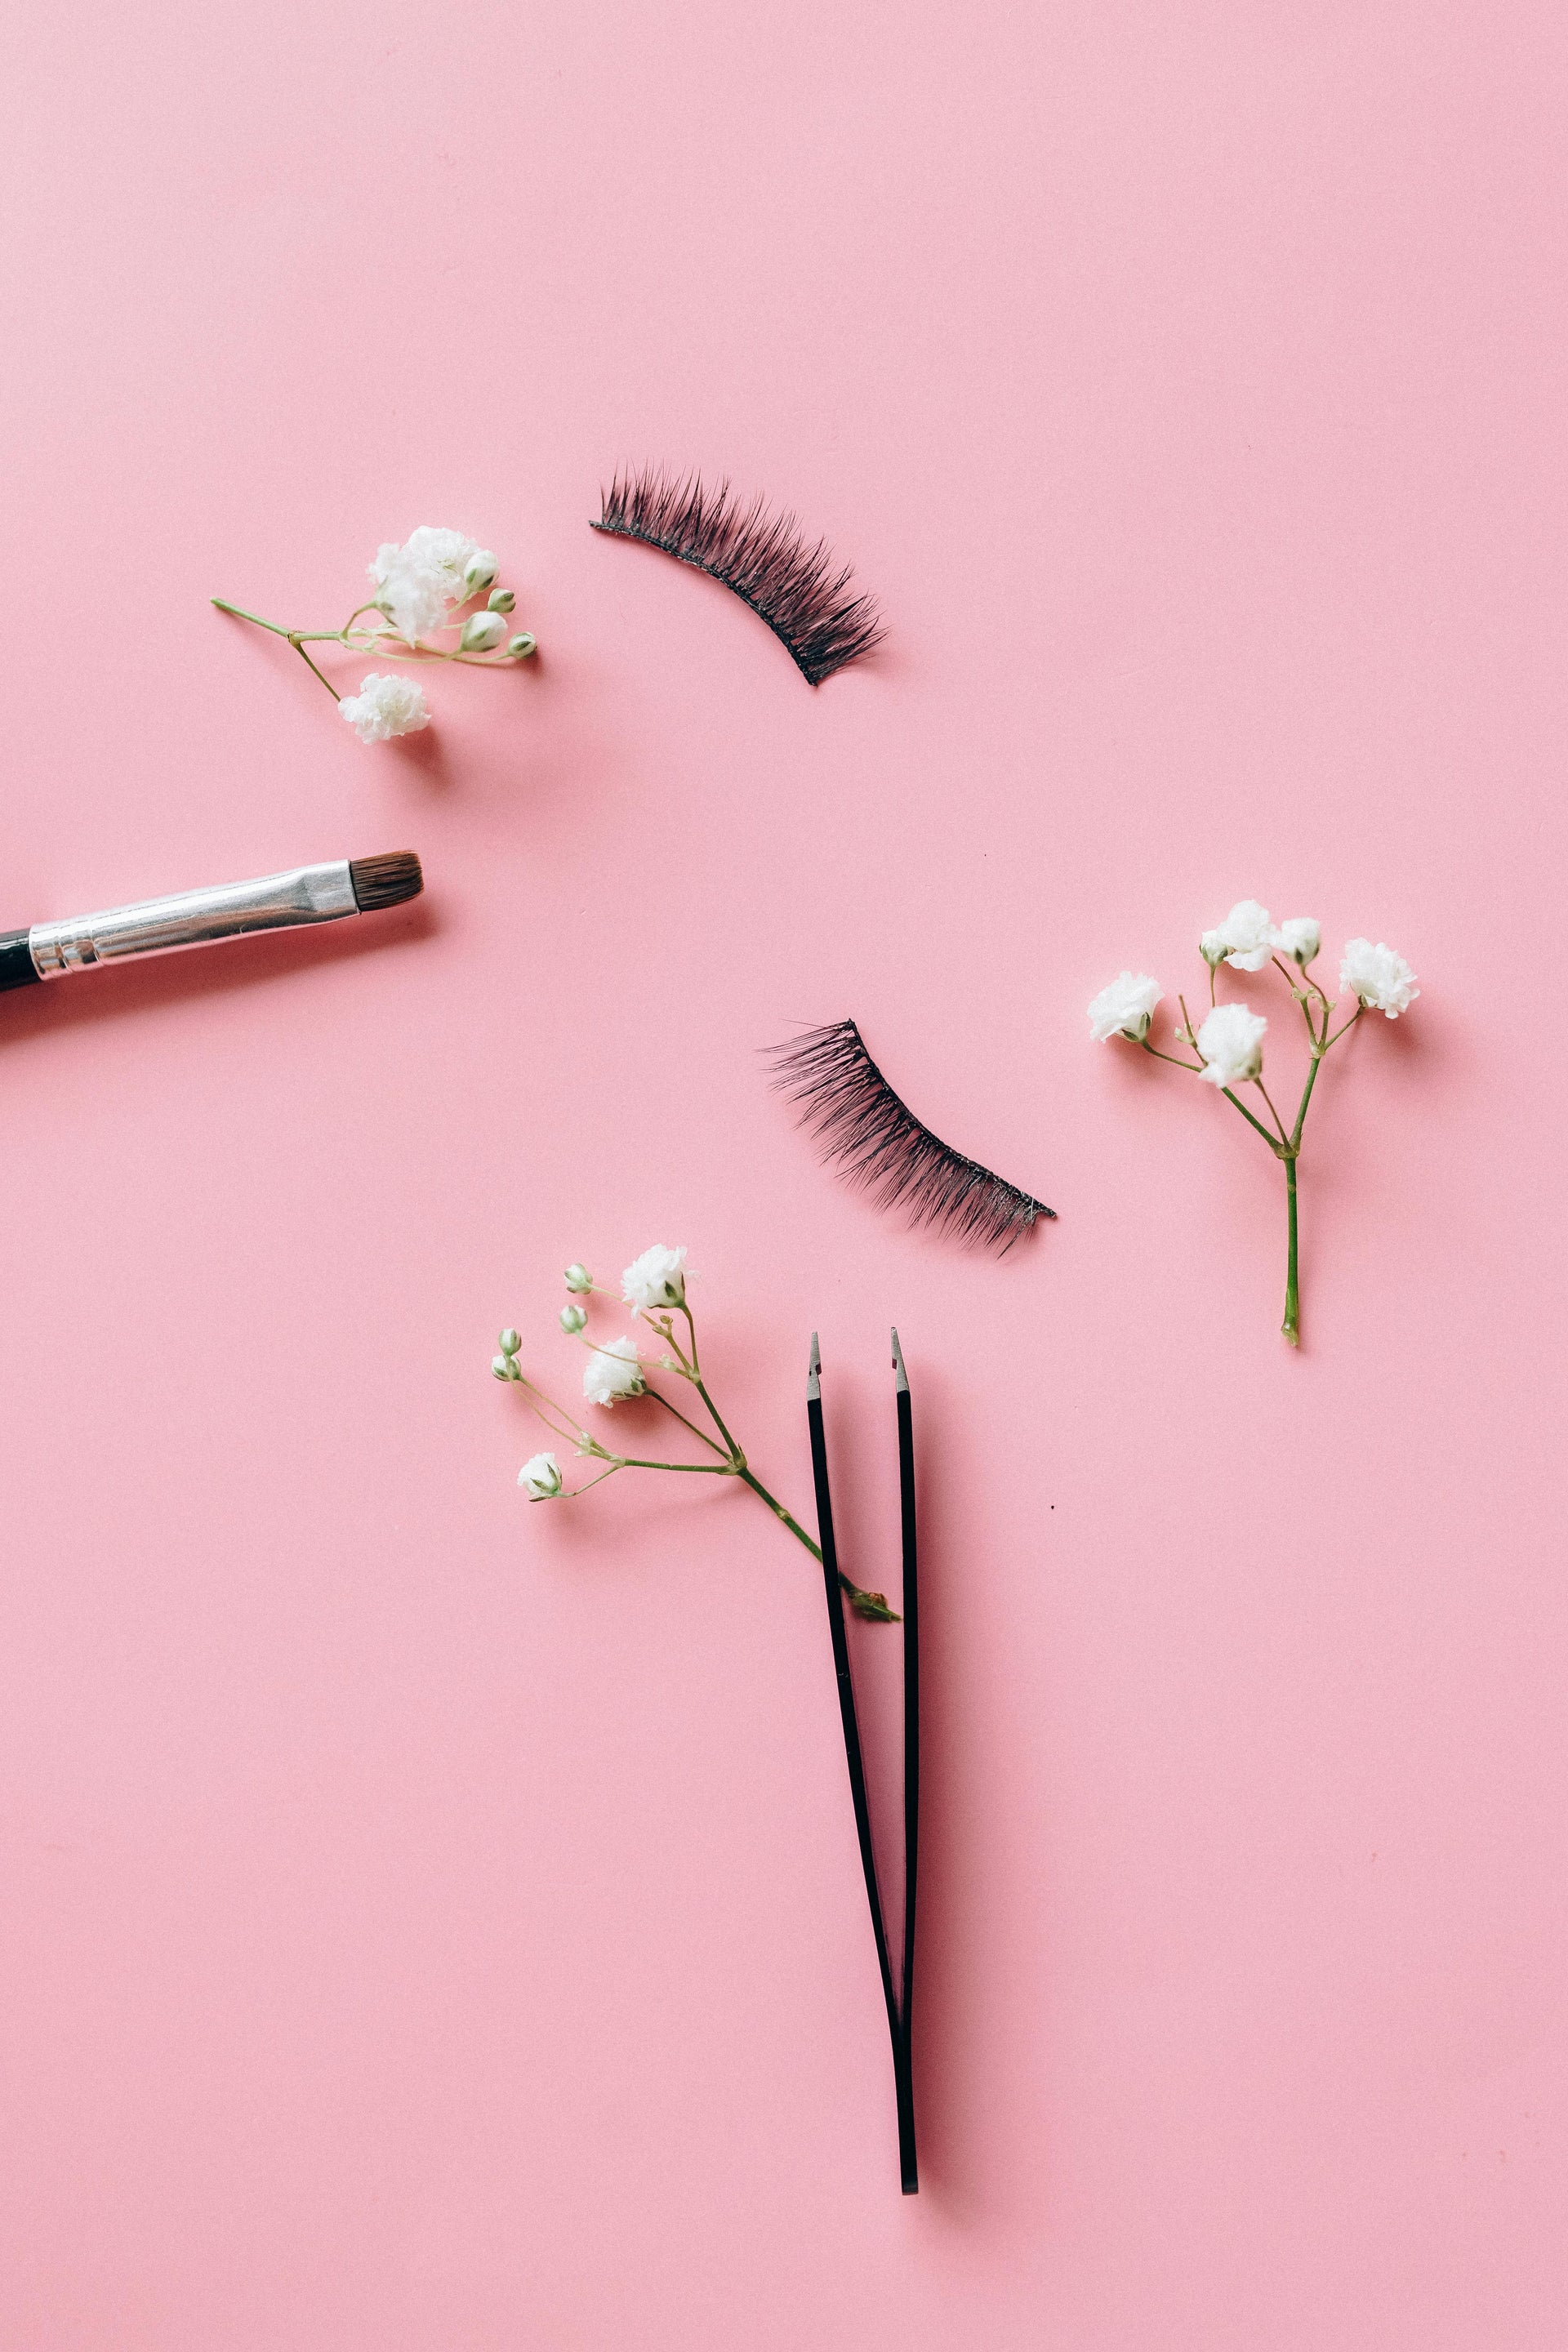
[(195, 918)]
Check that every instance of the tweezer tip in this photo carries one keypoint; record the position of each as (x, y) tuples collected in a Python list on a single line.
[(814, 1371), (901, 1380)]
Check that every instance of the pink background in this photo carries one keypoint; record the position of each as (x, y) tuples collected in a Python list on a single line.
[(431, 1925)]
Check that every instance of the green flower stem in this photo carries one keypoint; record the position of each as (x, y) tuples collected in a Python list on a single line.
[(296, 638), (1278, 1122), (791, 1522), (701, 1434), (864, 1604), (569, 1494), (1291, 1327), (1272, 1142), (310, 665), (693, 1469), (873, 1605), (241, 614)]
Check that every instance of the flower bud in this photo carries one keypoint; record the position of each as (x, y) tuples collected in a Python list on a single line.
[(1211, 947), (502, 1367), (577, 1277), (481, 571), (522, 644), (482, 632), (510, 1341), (501, 600), (541, 1477), (1301, 938), (572, 1320), (1125, 1008)]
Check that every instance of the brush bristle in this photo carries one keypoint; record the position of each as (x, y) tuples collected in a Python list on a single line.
[(385, 881)]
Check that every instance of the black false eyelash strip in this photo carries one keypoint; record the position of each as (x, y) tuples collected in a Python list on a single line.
[(876, 1141), (798, 590)]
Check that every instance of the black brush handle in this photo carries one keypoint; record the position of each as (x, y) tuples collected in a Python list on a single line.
[(16, 966), (901, 2083)]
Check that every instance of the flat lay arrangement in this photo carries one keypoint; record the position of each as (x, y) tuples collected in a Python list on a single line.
[(865, 1131), (523, 1831)]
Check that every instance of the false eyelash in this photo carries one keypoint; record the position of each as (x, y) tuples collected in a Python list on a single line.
[(764, 558), (878, 1142)]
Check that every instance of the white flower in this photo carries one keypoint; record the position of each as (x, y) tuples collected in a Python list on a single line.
[(482, 632), (479, 571), (417, 582), (1384, 980), (577, 1277), (1301, 938), (384, 707), (655, 1279), (613, 1370), (1211, 947), (542, 1477), (572, 1320), (1231, 1044), (1124, 1009), (1247, 937)]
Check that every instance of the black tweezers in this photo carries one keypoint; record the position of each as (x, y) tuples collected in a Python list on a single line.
[(899, 2004)]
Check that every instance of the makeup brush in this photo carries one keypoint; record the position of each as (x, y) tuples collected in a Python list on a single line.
[(196, 919)]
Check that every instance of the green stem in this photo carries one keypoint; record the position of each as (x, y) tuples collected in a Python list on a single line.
[(1291, 1327), (1306, 1098), (569, 1494), (864, 1604), (1257, 1123), (701, 1434), (241, 614), (693, 1469), (791, 1522), (1349, 1025), (1278, 1122), (697, 1383), (310, 665)]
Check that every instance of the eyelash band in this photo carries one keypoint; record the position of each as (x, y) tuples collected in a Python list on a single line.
[(877, 1142), (798, 590)]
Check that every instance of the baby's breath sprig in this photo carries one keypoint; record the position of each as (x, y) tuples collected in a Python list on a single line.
[(617, 1372), (1229, 1042), (427, 589)]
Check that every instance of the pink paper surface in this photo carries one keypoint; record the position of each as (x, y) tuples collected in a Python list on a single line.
[(431, 1924)]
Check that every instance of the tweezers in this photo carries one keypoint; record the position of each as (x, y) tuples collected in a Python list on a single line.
[(901, 2002)]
